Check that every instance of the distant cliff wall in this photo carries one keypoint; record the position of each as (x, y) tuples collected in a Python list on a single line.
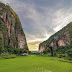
[(10, 28), (61, 38)]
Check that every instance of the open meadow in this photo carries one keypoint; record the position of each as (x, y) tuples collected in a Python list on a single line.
[(34, 64)]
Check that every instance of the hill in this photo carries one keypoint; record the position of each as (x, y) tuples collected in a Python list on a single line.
[(11, 32), (60, 42)]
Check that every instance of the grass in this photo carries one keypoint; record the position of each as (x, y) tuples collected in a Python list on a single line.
[(34, 64)]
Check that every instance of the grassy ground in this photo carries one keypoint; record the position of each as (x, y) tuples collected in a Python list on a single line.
[(34, 64)]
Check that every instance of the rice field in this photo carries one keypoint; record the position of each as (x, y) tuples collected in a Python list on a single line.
[(34, 64)]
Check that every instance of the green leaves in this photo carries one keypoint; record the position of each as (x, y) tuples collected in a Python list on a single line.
[(1, 44)]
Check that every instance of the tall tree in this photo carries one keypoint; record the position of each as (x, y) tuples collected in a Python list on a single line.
[(51, 51), (1, 45)]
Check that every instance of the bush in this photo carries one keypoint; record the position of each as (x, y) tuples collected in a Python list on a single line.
[(69, 58), (8, 48), (69, 52), (1, 44), (49, 54), (11, 50), (60, 55), (1, 12), (46, 51), (54, 53), (13, 56), (46, 55), (18, 51), (41, 54), (62, 50), (7, 56)]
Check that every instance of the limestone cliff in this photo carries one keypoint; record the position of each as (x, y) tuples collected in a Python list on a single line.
[(61, 38), (10, 28)]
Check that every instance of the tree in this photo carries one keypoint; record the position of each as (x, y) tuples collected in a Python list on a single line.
[(51, 51), (69, 52), (1, 45)]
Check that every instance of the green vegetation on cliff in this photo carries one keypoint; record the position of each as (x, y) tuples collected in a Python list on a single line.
[(1, 45), (11, 32), (4, 31), (60, 43)]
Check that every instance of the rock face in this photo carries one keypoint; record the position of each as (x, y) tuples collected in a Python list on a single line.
[(41, 47), (61, 38), (11, 29)]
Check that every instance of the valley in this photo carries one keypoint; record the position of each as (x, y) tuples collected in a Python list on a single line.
[(34, 63)]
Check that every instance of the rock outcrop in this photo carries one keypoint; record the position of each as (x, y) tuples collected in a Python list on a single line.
[(10, 28), (61, 38), (42, 47)]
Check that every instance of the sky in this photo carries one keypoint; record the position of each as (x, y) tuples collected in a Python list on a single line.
[(41, 18)]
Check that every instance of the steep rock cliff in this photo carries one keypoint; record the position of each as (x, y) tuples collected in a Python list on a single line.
[(61, 38), (10, 28)]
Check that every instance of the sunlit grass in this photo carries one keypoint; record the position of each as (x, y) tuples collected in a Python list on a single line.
[(34, 64)]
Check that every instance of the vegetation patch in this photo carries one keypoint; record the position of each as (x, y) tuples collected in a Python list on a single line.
[(7, 56), (34, 64)]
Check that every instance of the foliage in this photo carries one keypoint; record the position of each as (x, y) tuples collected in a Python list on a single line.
[(62, 49), (46, 51), (60, 52), (5, 6), (17, 21), (8, 48), (7, 56), (11, 50), (30, 52), (69, 52), (65, 52), (1, 12), (1, 45), (3, 29), (18, 28), (18, 51), (60, 55), (6, 45), (60, 34)]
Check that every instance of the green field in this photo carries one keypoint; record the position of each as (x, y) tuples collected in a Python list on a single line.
[(34, 64)]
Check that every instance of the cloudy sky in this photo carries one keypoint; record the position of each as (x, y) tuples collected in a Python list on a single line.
[(42, 18)]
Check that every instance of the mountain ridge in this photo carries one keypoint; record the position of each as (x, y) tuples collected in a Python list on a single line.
[(61, 38), (11, 32)]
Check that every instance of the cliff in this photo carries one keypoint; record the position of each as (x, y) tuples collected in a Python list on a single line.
[(11, 32), (61, 38)]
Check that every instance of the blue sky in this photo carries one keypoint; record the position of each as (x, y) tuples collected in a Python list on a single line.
[(42, 18)]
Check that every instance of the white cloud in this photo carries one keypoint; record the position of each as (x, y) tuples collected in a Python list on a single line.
[(43, 24), (33, 38), (40, 22), (62, 18), (5, 1)]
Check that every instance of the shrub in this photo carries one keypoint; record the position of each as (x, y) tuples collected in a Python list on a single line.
[(7, 56), (69, 58), (1, 12), (18, 51), (46, 51), (12, 56), (11, 50), (1, 44), (30, 52), (41, 54), (8, 48), (49, 54), (69, 52), (60, 55), (46, 55)]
